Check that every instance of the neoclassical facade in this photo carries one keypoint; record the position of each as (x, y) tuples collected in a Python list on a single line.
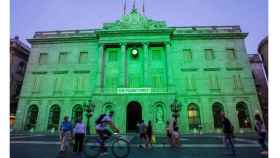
[(137, 67)]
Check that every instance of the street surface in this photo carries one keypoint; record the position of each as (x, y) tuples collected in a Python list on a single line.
[(193, 146)]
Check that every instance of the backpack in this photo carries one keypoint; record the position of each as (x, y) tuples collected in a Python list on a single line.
[(98, 121)]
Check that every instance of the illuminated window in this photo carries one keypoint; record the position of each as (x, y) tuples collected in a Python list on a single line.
[(43, 59), (193, 116)]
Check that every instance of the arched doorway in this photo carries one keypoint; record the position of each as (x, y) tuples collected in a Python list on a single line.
[(217, 108), (133, 116), (54, 117), (32, 115), (243, 115), (193, 116), (77, 112)]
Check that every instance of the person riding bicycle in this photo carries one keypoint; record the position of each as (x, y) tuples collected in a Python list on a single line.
[(65, 131), (102, 128)]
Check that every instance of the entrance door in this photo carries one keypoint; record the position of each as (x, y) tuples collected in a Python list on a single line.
[(133, 116)]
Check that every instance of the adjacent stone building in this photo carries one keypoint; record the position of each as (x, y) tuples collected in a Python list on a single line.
[(19, 53), (263, 51), (138, 67), (258, 73)]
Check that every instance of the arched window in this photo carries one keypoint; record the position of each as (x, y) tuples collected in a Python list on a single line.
[(54, 117), (193, 116), (77, 112), (243, 115), (217, 108), (32, 115)]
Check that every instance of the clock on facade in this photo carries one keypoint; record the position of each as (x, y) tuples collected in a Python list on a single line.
[(134, 52)]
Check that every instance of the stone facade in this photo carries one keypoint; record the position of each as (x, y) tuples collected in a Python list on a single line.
[(137, 67), (263, 51), (260, 79), (19, 53)]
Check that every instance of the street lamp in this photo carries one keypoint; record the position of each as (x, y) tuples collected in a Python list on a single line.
[(88, 108), (176, 108)]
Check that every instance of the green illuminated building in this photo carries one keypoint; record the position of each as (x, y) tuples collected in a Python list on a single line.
[(137, 67)]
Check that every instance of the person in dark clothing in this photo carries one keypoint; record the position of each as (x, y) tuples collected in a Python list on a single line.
[(261, 131), (228, 133), (79, 130), (149, 132)]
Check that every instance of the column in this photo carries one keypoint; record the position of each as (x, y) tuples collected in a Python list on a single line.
[(146, 64), (101, 67), (123, 66), (169, 64)]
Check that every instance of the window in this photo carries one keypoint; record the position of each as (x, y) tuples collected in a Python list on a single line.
[(36, 84), (231, 55), (156, 81), (237, 82), (243, 115), (134, 81), (83, 59), (187, 54), (21, 67), (43, 59), (62, 58), (113, 56), (214, 82), (190, 83), (193, 116), (58, 84), (209, 54), (156, 55)]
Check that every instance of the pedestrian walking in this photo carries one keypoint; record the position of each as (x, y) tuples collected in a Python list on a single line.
[(228, 134), (168, 132), (262, 133), (149, 133), (79, 131), (176, 137), (65, 132), (142, 133)]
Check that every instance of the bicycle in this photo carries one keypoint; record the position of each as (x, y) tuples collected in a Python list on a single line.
[(120, 147)]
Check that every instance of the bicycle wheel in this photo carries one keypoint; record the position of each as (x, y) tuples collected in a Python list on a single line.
[(92, 148), (120, 148)]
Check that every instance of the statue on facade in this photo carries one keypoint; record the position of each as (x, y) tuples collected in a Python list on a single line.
[(159, 118)]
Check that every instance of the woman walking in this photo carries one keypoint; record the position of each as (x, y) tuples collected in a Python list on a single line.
[(79, 131), (149, 133)]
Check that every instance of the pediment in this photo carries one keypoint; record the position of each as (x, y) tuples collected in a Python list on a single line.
[(134, 20)]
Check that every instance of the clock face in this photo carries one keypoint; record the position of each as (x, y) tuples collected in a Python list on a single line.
[(134, 52)]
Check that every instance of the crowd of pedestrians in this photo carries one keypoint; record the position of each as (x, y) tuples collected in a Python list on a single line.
[(147, 136)]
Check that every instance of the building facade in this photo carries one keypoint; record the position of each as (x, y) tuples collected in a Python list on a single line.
[(263, 51), (258, 73), (19, 53), (138, 67)]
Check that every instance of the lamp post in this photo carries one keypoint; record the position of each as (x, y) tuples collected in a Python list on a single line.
[(88, 108), (176, 108)]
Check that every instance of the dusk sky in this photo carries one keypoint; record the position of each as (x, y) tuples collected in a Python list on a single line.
[(29, 16)]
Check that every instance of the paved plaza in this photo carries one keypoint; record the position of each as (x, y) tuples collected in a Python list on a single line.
[(193, 146)]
